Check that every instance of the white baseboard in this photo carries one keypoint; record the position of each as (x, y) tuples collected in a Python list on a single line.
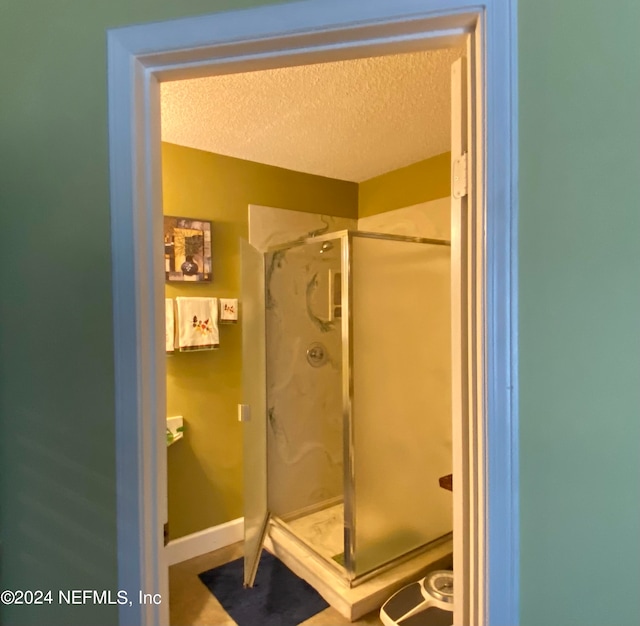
[(204, 541)]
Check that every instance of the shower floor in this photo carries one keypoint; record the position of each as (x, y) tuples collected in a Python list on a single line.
[(323, 531), (304, 550)]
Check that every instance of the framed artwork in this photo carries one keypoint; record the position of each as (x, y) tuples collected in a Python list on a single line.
[(187, 249)]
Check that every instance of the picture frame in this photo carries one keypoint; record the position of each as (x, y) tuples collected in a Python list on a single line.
[(187, 249)]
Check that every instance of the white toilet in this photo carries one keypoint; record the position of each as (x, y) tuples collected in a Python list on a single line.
[(428, 602)]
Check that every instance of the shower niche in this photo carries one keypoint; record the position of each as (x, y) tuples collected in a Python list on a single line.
[(347, 375)]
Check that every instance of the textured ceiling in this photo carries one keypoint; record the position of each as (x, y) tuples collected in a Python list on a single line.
[(350, 120)]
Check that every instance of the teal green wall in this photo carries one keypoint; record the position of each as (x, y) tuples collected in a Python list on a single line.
[(579, 310)]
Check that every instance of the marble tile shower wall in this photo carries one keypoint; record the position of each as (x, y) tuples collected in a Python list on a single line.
[(269, 226), (304, 398)]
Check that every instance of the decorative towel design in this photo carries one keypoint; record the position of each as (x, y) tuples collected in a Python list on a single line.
[(228, 310), (197, 324), (170, 325)]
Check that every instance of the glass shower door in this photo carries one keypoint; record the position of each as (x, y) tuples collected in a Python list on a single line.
[(401, 341), (304, 393), (254, 407)]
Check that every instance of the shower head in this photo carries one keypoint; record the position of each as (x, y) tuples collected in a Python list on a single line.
[(327, 245)]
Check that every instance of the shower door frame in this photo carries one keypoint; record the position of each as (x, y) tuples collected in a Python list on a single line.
[(298, 33), (348, 391), (346, 328)]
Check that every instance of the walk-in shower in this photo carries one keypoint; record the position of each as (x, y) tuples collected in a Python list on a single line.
[(347, 373)]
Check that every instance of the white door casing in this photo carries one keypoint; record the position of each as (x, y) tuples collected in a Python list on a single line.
[(462, 514), (294, 34)]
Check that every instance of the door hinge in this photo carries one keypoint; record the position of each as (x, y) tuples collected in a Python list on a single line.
[(165, 532), (459, 184)]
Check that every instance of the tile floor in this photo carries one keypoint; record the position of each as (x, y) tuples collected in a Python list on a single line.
[(192, 604)]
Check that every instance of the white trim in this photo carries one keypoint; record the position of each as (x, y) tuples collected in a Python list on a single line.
[(138, 438), (204, 541), (501, 436), (274, 36), (463, 561)]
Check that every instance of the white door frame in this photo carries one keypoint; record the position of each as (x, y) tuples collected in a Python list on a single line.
[(139, 57)]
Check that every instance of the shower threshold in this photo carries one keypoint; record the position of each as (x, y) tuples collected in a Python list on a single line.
[(329, 579)]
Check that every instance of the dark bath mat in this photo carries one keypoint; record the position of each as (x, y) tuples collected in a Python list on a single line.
[(278, 597)]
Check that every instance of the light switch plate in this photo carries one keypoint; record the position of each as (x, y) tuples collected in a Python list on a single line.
[(244, 413)]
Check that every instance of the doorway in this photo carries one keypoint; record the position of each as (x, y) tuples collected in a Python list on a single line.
[(245, 40), (368, 138)]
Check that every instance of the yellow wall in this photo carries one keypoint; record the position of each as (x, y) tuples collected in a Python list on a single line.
[(205, 468), (419, 182)]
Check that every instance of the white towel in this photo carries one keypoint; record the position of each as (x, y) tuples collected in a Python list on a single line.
[(228, 310), (197, 323), (170, 325)]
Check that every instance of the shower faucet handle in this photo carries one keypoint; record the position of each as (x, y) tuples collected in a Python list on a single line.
[(316, 355)]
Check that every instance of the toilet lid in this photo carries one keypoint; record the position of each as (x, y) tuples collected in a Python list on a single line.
[(439, 584)]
